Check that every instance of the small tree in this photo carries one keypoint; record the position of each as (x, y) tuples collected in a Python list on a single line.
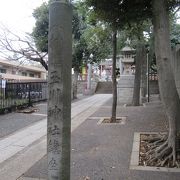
[(116, 19), (114, 103)]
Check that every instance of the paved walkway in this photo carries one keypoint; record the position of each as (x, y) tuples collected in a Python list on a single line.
[(25, 147), (99, 151), (103, 151)]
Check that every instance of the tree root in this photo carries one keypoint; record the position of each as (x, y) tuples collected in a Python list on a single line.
[(161, 153), (177, 164), (157, 139), (155, 145)]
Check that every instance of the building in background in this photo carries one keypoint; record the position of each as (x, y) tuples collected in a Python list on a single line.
[(13, 71)]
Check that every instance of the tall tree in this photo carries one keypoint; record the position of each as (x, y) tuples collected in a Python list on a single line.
[(136, 33), (137, 80), (167, 86)]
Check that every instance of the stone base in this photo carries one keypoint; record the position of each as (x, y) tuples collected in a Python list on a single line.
[(125, 89), (88, 92), (143, 99)]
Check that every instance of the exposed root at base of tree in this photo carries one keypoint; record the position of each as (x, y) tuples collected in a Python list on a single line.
[(157, 150)]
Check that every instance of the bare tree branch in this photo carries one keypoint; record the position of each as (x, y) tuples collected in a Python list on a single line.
[(177, 10), (14, 47)]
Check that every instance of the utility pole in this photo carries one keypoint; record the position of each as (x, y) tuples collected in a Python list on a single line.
[(147, 73), (59, 90), (89, 77)]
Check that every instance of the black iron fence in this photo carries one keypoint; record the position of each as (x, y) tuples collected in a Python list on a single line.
[(153, 76), (13, 95)]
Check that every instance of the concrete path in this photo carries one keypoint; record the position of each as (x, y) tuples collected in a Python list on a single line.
[(103, 151), (20, 150)]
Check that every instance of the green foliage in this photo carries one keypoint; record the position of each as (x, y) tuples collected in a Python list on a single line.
[(119, 13), (128, 16), (79, 51), (40, 31), (93, 44), (175, 33), (98, 39), (87, 39)]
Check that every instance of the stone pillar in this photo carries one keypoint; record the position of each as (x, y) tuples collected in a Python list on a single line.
[(101, 69), (59, 90), (121, 67), (89, 76)]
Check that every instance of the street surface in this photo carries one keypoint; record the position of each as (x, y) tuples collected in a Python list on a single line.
[(22, 146)]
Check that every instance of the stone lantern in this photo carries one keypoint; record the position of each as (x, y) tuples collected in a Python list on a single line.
[(126, 61), (126, 82)]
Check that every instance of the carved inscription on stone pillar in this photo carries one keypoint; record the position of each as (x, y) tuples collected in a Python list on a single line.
[(59, 51), (53, 164), (55, 77), (55, 112), (54, 146)]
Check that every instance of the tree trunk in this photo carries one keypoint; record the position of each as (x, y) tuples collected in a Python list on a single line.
[(114, 83), (89, 76), (44, 64), (144, 73), (59, 87), (75, 81), (137, 79), (167, 85)]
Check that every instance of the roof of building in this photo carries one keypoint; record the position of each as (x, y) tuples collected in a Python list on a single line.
[(22, 66), (127, 48), (18, 77)]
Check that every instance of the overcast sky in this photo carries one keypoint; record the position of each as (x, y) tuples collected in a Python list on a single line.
[(17, 14)]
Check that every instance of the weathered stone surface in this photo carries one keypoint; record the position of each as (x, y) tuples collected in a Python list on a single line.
[(125, 89), (59, 83)]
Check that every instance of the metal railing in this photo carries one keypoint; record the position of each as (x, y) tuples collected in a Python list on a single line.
[(13, 95), (153, 76)]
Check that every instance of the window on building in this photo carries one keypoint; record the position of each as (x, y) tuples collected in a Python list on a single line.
[(24, 74), (31, 74), (13, 72), (2, 70)]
